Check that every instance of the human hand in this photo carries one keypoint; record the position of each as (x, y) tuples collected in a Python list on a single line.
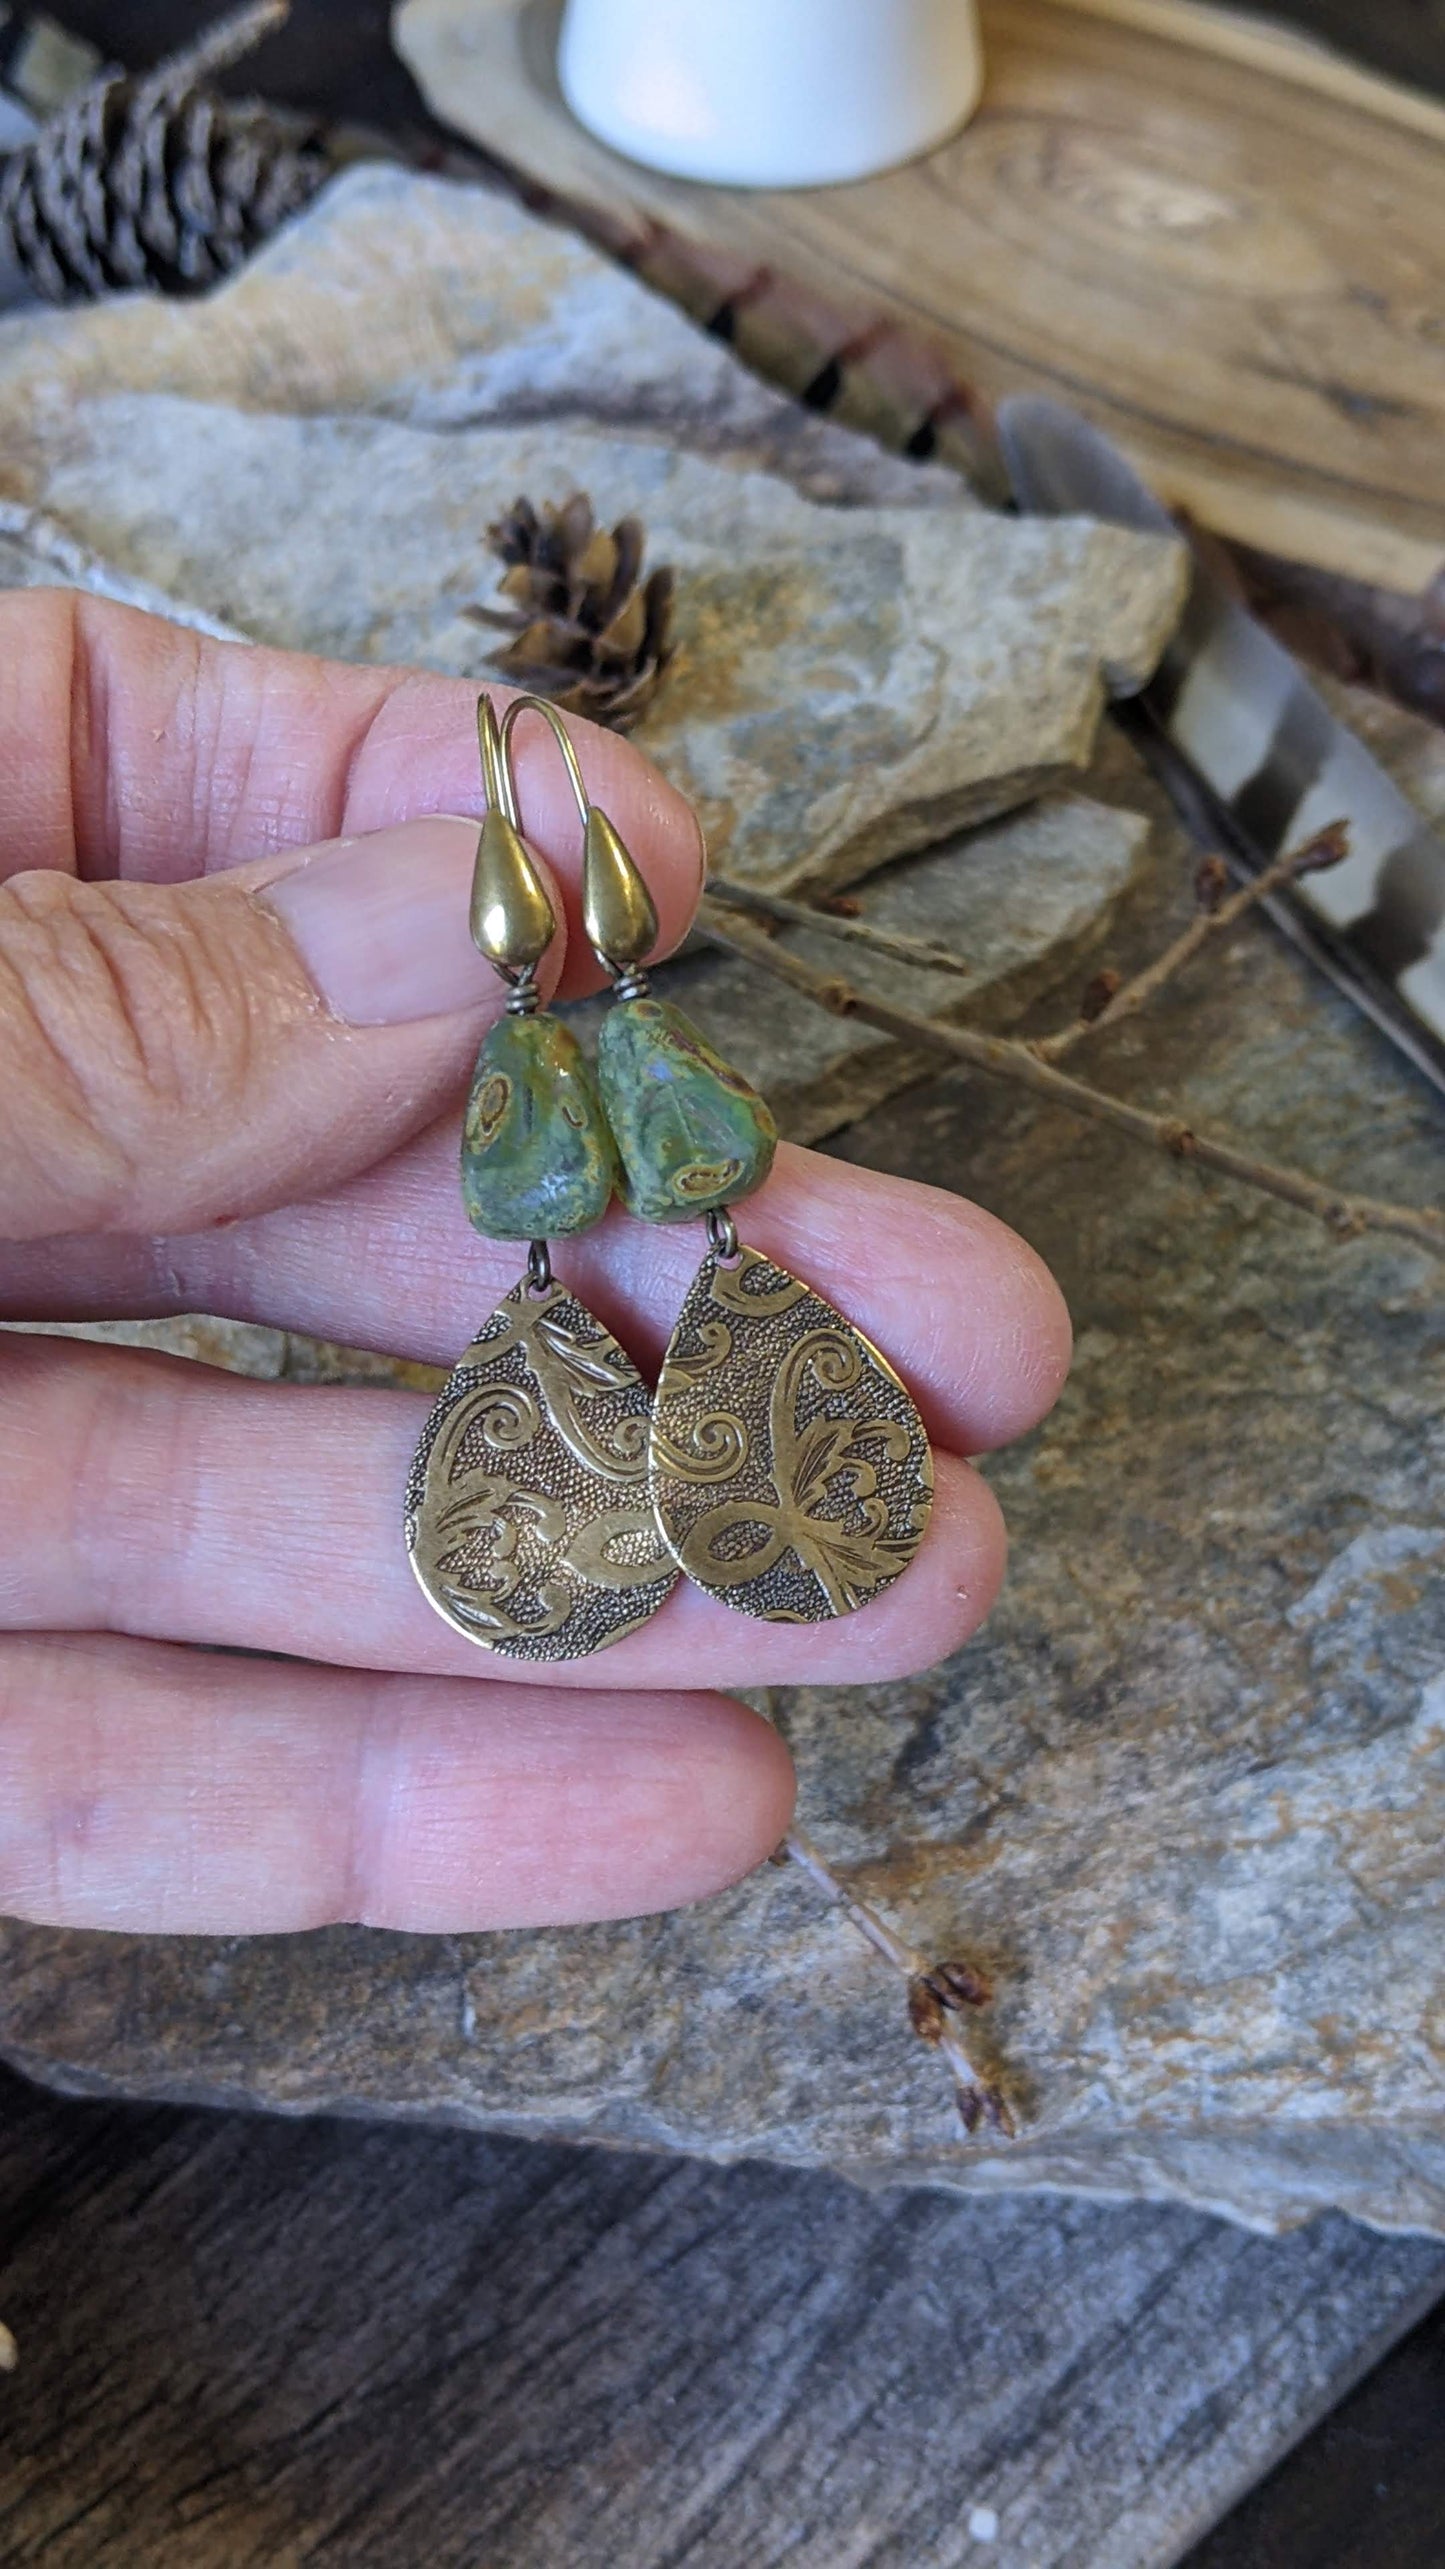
[(231, 1056)]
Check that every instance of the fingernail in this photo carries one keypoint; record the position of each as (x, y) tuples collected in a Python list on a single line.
[(381, 922)]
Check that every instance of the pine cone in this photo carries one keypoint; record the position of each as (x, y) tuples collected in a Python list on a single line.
[(153, 180), (588, 631)]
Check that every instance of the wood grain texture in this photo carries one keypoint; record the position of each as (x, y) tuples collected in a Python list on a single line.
[(1218, 241), (1366, 2490), (258, 2345)]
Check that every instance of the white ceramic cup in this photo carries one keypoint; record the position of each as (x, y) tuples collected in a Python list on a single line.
[(770, 93)]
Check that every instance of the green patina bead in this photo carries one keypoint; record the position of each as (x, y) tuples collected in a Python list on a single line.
[(537, 1157), (691, 1134)]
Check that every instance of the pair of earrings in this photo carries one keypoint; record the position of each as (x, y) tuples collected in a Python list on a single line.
[(553, 1500)]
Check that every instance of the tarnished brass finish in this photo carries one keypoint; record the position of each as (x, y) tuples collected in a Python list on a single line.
[(512, 918), (528, 1520), (496, 777), (617, 909), (513, 921), (538, 705), (788, 1466)]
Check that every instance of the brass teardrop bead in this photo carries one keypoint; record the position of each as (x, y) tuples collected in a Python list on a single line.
[(788, 1466), (617, 908), (512, 919), (528, 1521)]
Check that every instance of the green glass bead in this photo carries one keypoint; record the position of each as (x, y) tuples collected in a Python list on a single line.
[(537, 1157), (690, 1133)]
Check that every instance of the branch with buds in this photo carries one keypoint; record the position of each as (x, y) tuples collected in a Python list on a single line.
[(1107, 1000), (1033, 1065), (942, 1996)]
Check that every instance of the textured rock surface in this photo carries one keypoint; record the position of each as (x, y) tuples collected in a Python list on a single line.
[(567, 2359), (1021, 900), (35, 553), (314, 456), (1184, 1795)]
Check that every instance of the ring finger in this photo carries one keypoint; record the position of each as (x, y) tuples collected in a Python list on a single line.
[(175, 1792)]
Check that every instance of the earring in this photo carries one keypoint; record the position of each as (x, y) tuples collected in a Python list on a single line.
[(528, 1520), (788, 1466)]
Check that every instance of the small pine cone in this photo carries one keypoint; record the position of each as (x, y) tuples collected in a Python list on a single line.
[(587, 629), (140, 182)]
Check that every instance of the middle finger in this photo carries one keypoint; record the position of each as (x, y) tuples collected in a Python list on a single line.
[(964, 1310)]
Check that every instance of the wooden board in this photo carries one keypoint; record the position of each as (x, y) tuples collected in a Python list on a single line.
[(257, 2344), (1219, 240)]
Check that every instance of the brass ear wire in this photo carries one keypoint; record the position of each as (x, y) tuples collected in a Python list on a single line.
[(512, 918), (497, 781), (617, 908), (538, 705)]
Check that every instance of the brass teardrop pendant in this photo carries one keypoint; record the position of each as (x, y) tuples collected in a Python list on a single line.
[(528, 1520), (788, 1466)]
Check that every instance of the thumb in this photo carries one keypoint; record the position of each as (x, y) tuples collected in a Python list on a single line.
[(171, 1056)]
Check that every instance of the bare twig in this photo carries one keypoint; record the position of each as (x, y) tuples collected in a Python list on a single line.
[(1327, 847), (1348, 1216), (831, 923), (938, 1993)]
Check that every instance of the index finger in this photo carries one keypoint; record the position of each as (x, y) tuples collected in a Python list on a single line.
[(134, 748)]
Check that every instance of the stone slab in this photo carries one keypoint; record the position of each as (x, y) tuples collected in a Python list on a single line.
[(1021, 900), (36, 553), (547, 2356), (1183, 1795), (314, 454)]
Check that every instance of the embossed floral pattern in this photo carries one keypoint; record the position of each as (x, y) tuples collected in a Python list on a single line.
[(528, 1518), (788, 1465)]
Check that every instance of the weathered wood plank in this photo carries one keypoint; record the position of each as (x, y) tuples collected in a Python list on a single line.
[(1218, 240), (253, 2345)]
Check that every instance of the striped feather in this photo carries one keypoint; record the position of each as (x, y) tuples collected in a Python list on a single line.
[(1245, 737)]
